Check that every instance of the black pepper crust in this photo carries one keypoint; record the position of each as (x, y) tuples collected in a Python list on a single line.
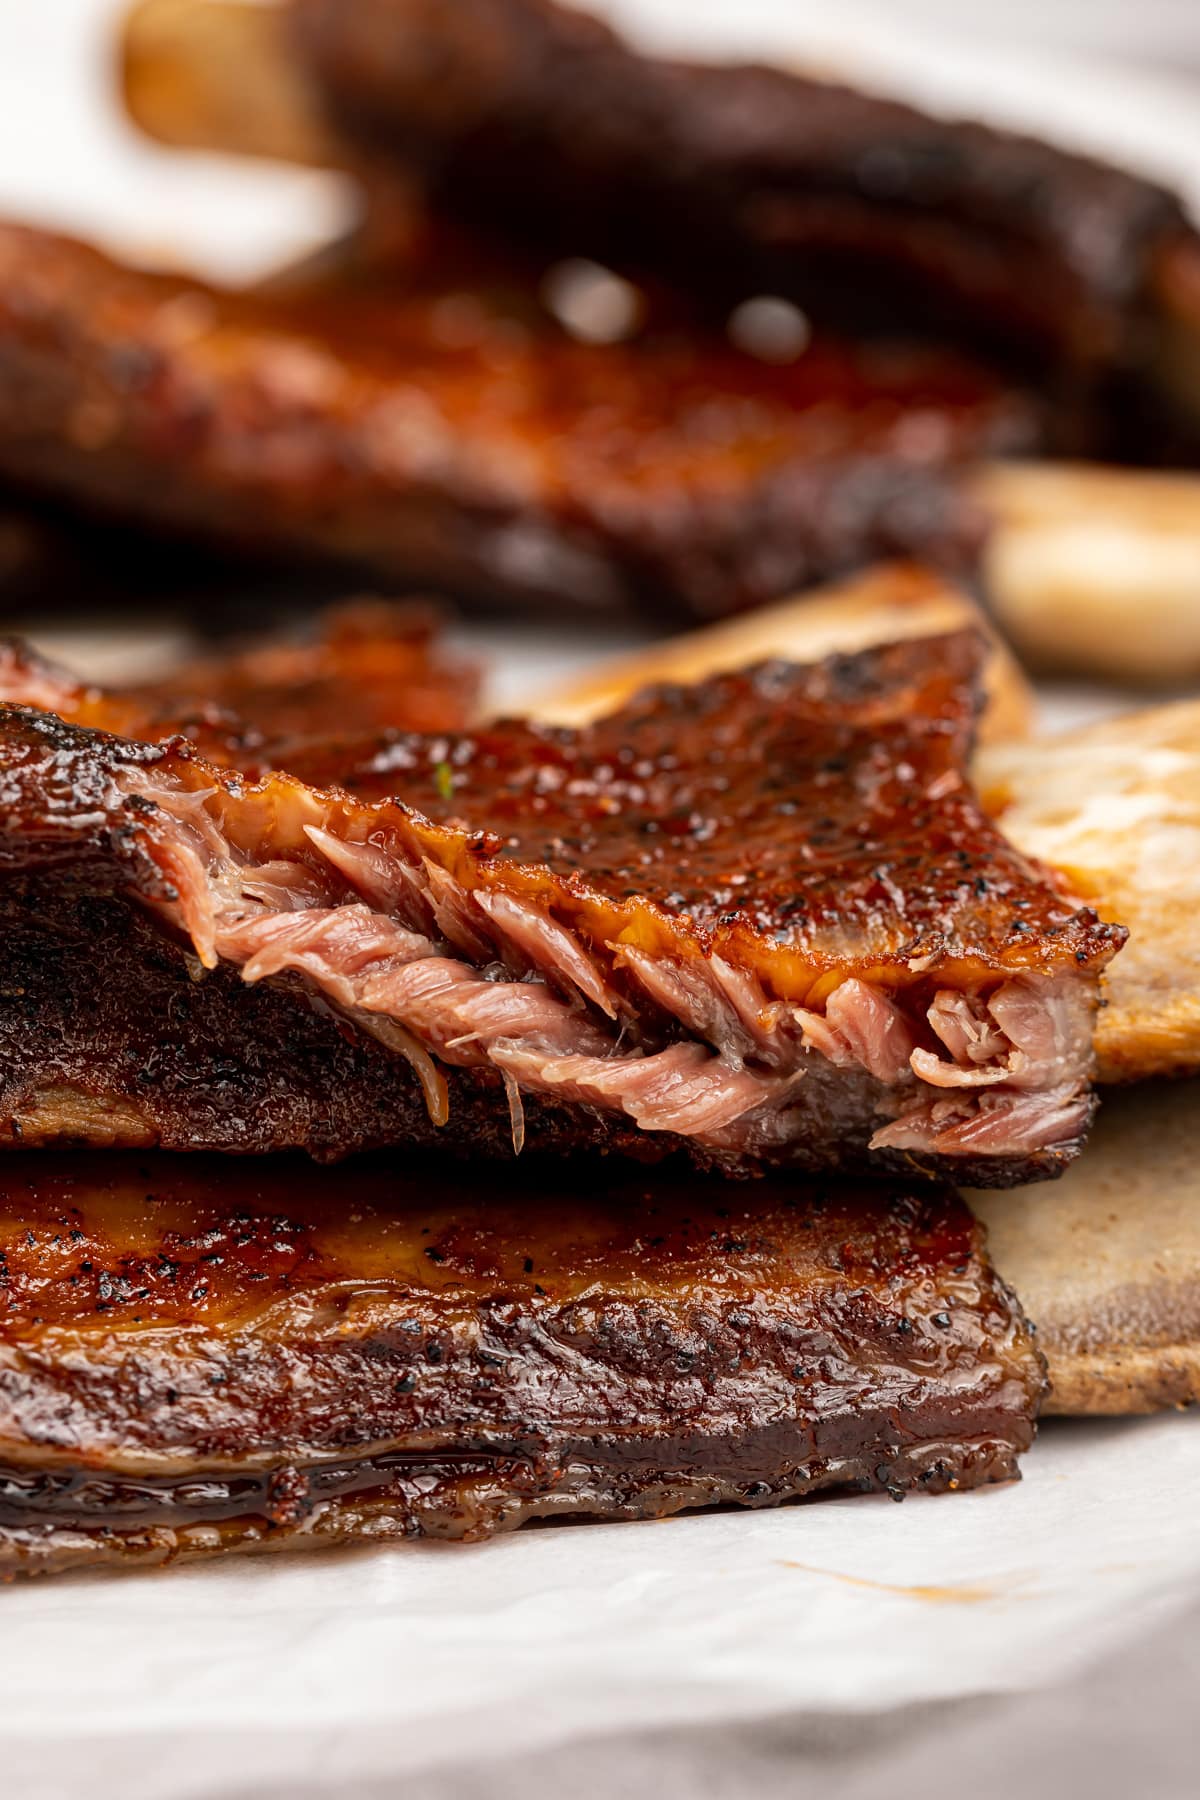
[(807, 824), (529, 113), (820, 814), (197, 1356)]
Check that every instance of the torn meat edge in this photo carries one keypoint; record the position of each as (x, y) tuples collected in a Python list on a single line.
[(445, 976)]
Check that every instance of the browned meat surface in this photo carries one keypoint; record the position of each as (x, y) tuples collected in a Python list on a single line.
[(528, 113), (458, 437), (763, 919), (197, 1357), (367, 666)]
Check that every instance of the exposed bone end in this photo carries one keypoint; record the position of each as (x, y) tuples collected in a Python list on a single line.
[(205, 74), (1096, 570)]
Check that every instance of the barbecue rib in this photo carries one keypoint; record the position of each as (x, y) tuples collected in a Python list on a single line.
[(458, 437), (369, 666), (749, 178), (197, 1358), (375, 663), (880, 605), (763, 919)]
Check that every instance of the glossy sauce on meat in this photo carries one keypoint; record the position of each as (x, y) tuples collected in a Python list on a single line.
[(367, 667), (457, 436), (196, 1356)]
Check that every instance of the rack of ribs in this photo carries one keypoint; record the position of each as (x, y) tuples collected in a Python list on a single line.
[(762, 920), (439, 428), (198, 1358)]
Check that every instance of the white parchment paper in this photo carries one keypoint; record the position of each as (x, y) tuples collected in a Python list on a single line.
[(389, 1661), (329, 1673)]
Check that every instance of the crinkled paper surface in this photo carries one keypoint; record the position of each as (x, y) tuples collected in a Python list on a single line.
[(271, 1676)]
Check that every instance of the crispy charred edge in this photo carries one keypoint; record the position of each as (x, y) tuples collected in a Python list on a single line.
[(77, 1519), (667, 156), (728, 1109)]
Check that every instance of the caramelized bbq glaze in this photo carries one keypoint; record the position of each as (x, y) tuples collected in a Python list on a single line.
[(456, 435), (742, 903), (367, 666), (525, 113), (198, 1356)]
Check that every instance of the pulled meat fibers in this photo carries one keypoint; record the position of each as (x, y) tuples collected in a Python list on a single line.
[(763, 920)]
